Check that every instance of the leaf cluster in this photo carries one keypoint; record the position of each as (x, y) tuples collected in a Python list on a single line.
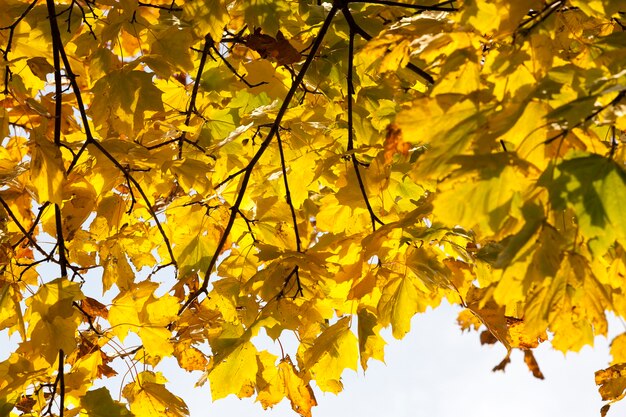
[(180, 178)]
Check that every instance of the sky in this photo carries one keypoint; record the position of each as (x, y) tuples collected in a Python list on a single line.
[(438, 371), (435, 371)]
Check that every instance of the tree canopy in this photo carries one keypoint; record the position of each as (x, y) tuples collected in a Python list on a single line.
[(180, 177)]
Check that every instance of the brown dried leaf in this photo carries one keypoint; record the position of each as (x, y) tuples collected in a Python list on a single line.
[(94, 308), (502, 365), (487, 338), (394, 143), (25, 404), (279, 49), (532, 364)]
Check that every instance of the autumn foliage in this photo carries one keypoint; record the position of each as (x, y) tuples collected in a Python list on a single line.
[(179, 177)]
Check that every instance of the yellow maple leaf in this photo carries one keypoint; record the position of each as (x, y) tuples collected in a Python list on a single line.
[(47, 172), (335, 350), (148, 396), (234, 373)]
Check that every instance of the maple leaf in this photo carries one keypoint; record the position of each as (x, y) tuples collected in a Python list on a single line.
[(190, 176), (148, 395)]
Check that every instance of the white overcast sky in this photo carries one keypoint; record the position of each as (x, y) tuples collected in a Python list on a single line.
[(437, 371)]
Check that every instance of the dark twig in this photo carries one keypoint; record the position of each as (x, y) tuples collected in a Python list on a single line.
[(242, 170), (593, 114), (350, 146), (58, 106), (293, 216), (262, 148), (191, 109), (27, 234), (354, 27), (142, 193), (88, 317), (177, 140), (535, 19), (440, 7), (287, 192), (234, 71), (59, 384), (248, 224), (284, 289), (169, 8), (7, 49), (56, 40)]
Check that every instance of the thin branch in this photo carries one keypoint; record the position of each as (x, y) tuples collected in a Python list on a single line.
[(262, 148), (539, 17), (59, 384), (84, 19), (441, 7), (5, 51), (61, 377), (234, 71), (58, 106), (88, 317), (287, 192), (593, 114), (354, 27), (27, 234), (63, 262), (191, 109), (248, 223), (149, 206), (56, 40), (350, 146), (177, 140), (169, 8), (230, 177), (283, 290)]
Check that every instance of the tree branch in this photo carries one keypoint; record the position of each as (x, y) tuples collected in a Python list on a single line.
[(264, 145), (293, 218), (56, 40), (441, 7), (170, 8), (149, 206), (25, 233), (59, 384), (5, 51), (354, 27), (234, 71), (350, 146), (288, 193), (191, 109)]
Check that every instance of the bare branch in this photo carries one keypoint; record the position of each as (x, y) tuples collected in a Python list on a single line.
[(234, 71), (27, 234), (440, 7), (354, 27), (169, 8), (263, 147), (191, 109), (287, 192), (350, 146), (57, 43), (7, 49)]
